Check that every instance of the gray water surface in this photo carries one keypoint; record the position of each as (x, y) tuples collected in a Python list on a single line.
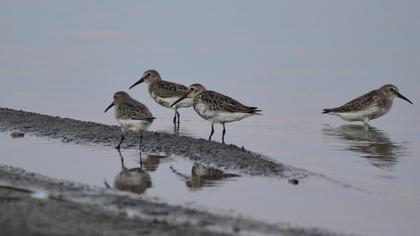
[(381, 201)]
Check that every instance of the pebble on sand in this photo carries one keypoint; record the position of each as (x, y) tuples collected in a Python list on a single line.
[(17, 134)]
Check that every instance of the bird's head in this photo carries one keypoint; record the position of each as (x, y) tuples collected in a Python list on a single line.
[(148, 77), (192, 92), (392, 91), (119, 97)]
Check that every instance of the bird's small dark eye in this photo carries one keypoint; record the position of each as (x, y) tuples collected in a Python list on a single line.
[(115, 96), (148, 74)]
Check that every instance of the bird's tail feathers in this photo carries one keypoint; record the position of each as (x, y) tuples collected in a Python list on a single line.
[(326, 111), (255, 110), (150, 119)]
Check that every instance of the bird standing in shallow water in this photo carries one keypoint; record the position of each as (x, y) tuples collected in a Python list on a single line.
[(165, 93), (369, 106), (131, 115), (216, 108)]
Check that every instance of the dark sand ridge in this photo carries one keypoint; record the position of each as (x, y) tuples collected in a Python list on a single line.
[(77, 209), (199, 150)]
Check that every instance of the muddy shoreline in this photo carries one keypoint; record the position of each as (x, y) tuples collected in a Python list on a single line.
[(73, 209), (67, 130)]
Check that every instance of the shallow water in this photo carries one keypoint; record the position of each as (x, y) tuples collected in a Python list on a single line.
[(291, 59), (383, 200)]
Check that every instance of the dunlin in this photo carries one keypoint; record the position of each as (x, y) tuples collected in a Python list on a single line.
[(131, 115), (216, 108), (369, 106), (164, 92)]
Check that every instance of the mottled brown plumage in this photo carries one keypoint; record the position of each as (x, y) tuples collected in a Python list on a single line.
[(131, 115), (369, 106), (219, 102), (167, 89), (361, 103), (216, 107), (165, 93), (127, 108)]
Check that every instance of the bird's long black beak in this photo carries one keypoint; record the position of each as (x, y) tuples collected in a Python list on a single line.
[(138, 82), (111, 105), (180, 99), (402, 97)]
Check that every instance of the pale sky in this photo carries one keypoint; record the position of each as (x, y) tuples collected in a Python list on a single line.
[(79, 52)]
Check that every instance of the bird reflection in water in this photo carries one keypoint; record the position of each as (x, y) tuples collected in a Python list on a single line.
[(152, 162), (135, 180), (177, 131), (371, 143), (203, 176)]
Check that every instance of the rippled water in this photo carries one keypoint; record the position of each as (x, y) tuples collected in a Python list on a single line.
[(291, 59)]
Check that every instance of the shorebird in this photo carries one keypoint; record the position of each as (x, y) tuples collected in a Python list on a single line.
[(131, 115), (367, 107), (164, 92), (216, 108)]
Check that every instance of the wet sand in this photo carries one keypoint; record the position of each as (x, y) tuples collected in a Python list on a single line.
[(74, 209), (68, 208), (80, 132), (24, 215)]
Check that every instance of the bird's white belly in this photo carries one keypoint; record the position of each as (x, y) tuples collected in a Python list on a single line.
[(137, 126), (225, 117), (352, 116), (167, 102), (364, 115), (218, 116)]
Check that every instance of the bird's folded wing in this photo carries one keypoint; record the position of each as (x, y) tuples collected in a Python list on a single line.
[(229, 104), (138, 112), (358, 104), (166, 89)]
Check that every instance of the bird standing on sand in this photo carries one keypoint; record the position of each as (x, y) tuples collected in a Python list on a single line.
[(369, 106), (216, 108), (131, 115), (164, 92)]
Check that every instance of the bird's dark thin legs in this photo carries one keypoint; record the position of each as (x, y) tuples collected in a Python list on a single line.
[(223, 133), (119, 144), (176, 115), (141, 161), (212, 131), (141, 140), (121, 158)]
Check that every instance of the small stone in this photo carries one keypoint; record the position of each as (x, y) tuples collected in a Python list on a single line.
[(17, 134), (236, 229), (293, 181)]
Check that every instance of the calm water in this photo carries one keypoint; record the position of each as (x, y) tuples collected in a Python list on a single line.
[(384, 200), (291, 59)]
